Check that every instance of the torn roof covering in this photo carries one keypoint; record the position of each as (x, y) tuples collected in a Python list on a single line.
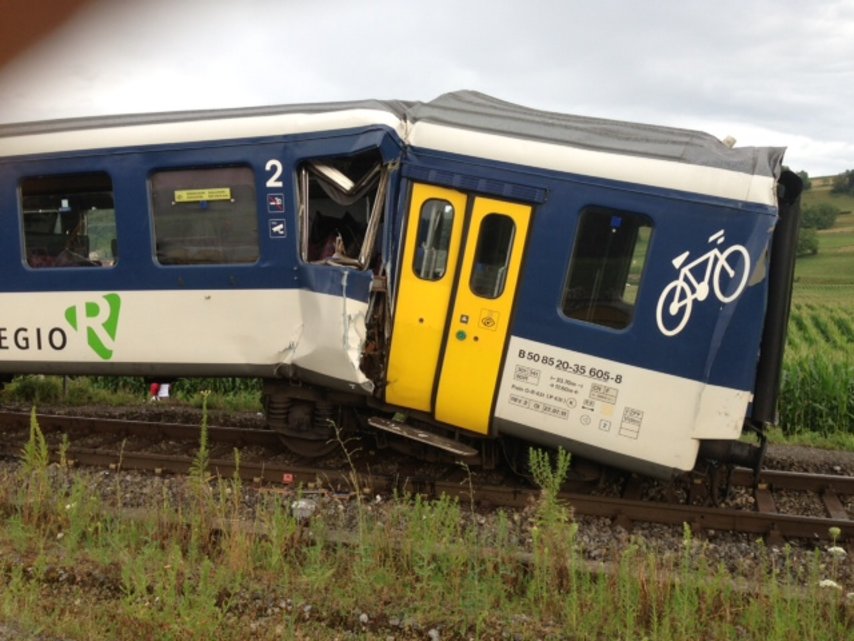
[(419, 123)]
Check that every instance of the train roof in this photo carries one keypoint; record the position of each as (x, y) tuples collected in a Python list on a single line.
[(462, 122)]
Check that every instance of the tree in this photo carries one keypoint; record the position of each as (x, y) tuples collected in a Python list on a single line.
[(805, 178), (844, 183), (819, 216)]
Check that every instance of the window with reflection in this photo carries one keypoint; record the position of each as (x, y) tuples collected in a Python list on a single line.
[(607, 266), (434, 238), (205, 216), (69, 220), (492, 257)]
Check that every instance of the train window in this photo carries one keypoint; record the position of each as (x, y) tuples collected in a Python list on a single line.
[(69, 220), (205, 216), (492, 257), (434, 238), (341, 208), (606, 268)]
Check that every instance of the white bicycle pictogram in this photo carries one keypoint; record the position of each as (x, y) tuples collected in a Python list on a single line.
[(727, 270)]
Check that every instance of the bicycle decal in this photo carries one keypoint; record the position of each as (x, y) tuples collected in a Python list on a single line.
[(727, 270)]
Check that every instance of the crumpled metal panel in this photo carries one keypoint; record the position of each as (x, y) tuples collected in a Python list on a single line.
[(332, 336)]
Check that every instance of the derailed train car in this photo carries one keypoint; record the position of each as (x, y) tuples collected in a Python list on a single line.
[(456, 273)]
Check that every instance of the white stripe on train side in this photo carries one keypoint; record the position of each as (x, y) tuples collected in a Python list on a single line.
[(639, 170), (189, 131), (637, 412), (666, 174), (257, 328)]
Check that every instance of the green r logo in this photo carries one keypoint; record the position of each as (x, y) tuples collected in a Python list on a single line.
[(100, 322)]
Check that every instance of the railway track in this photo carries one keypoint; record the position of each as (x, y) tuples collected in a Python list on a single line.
[(128, 444)]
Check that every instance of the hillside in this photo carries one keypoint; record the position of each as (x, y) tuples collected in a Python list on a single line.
[(828, 277)]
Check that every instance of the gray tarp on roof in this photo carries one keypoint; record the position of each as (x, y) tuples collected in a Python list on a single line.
[(475, 111)]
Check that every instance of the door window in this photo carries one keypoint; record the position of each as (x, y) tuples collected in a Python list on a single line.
[(494, 243), (434, 239)]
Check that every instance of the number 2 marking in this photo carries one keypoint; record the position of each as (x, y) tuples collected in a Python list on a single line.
[(276, 167)]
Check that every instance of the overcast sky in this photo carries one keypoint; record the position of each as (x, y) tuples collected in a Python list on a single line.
[(775, 73)]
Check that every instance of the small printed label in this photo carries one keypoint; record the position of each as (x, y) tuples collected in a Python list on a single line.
[(489, 319), (527, 375), (201, 195), (599, 392), (631, 423), (539, 406)]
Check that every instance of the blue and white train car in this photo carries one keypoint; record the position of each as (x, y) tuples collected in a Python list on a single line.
[(485, 270)]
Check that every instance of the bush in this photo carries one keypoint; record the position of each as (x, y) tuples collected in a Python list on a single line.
[(35, 389), (807, 242), (819, 216)]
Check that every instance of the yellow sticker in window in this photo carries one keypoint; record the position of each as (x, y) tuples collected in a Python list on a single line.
[(199, 195)]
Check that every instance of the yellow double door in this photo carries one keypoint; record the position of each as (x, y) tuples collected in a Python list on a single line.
[(461, 261)]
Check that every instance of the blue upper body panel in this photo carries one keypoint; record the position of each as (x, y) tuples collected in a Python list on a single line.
[(278, 265)]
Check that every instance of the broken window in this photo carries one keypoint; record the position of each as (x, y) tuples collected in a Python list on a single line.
[(341, 206), (205, 216), (606, 268), (69, 220)]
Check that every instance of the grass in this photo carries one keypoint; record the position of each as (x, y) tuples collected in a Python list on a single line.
[(834, 263), (74, 567), (823, 195), (228, 394)]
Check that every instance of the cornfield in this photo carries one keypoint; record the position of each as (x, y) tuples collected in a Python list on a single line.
[(817, 391)]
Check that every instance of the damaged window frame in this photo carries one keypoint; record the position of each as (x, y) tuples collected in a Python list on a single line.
[(344, 191)]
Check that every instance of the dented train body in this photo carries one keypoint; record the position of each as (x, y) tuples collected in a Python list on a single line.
[(485, 269)]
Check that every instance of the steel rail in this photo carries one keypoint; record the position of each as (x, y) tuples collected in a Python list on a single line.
[(625, 510), (700, 518)]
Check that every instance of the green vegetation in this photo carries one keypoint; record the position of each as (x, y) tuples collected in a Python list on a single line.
[(833, 265), (78, 566), (230, 394), (818, 377), (844, 183), (819, 216), (817, 395)]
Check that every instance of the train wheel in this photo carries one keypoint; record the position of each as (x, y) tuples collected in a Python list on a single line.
[(308, 448), (303, 427)]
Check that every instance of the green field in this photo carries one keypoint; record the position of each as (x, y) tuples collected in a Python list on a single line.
[(818, 378), (828, 277)]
